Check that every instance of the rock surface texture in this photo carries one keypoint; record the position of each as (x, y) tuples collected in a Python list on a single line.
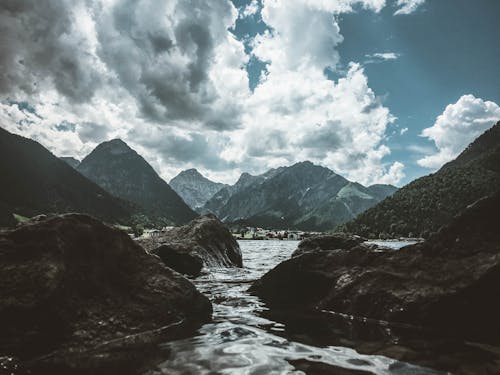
[(77, 296), (450, 282), (204, 241)]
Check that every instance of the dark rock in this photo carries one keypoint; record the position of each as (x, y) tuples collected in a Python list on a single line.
[(327, 242), (450, 282), (320, 368), (77, 296), (180, 258), (205, 238)]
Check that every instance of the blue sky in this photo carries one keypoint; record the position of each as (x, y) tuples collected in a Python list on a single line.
[(380, 91), (444, 49)]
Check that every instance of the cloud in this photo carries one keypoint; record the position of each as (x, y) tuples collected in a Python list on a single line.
[(175, 59), (170, 79), (297, 113), (380, 57), (457, 126), (408, 6), (402, 131), (250, 10), (48, 44)]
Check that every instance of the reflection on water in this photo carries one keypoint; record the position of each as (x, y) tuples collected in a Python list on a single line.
[(392, 244), (246, 338)]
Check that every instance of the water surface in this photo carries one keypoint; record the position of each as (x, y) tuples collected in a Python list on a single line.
[(246, 338)]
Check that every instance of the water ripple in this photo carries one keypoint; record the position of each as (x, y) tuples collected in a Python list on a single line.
[(243, 339)]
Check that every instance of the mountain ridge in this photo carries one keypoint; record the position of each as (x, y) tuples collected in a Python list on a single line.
[(429, 202), (195, 188), (302, 196), (120, 170), (38, 182)]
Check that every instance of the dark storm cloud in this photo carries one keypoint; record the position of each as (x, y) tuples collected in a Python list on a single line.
[(38, 43), (162, 53), (164, 63)]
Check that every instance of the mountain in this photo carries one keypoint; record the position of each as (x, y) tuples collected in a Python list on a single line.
[(424, 205), (71, 161), (194, 188), (118, 169), (34, 182), (216, 203), (303, 196)]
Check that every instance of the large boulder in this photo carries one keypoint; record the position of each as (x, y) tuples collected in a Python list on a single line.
[(327, 242), (204, 241), (77, 296), (450, 282)]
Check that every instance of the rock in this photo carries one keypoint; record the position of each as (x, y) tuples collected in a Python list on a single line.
[(205, 238), (328, 242), (79, 296), (450, 282), (319, 368), (180, 258)]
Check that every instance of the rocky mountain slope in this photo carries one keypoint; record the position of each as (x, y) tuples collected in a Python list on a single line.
[(424, 205), (118, 169), (34, 182), (71, 161), (216, 203), (303, 196), (194, 188)]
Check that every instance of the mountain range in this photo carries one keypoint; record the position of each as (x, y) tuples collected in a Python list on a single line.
[(302, 196), (34, 182), (116, 184), (121, 171), (194, 188), (424, 205)]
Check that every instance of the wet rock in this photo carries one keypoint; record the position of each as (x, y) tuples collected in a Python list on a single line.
[(205, 238), (328, 242), (450, 282), (320, 368), (180, 258), (77, 296)]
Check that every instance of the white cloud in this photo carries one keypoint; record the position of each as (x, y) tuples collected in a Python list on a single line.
[(457, 126), (384, 56), (170, 80), (250, 10), (402, 131), (408, 6), (296, 113)]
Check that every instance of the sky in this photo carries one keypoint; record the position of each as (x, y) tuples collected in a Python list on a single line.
[(380, 91)]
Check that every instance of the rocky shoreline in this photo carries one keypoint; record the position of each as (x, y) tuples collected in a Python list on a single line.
[(78, 296), (449, 282)]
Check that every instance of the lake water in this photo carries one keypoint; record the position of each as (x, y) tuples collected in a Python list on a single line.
[(246, 338)]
